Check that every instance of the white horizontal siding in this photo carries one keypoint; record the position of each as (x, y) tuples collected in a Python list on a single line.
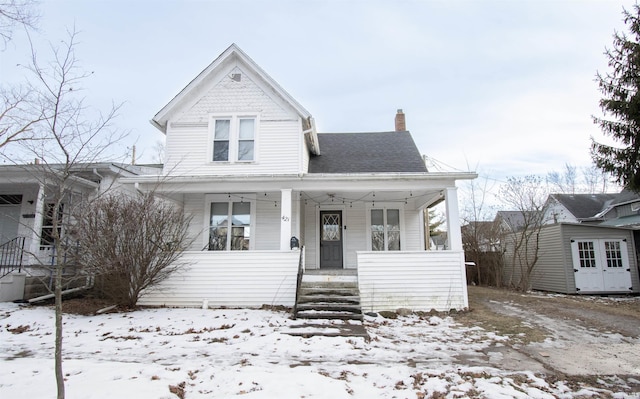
[(355, 233), (277, 147), (311, 232), (415, 280), (267, 234), (194, 206), (412, 231), (235, 279)]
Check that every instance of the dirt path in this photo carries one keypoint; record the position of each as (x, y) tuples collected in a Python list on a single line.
[(569, 335)]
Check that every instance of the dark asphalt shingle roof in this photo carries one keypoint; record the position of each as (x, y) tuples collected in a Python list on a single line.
[(390, 152), (626, 196), (584, 206)]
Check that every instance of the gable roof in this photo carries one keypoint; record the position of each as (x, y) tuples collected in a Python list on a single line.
[(197, 87), (584, 206), (385, 152)]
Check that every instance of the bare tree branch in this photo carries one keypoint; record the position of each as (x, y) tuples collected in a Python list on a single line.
[(15, 14)]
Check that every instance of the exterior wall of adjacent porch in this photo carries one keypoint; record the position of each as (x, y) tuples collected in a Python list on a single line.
[(416, 280)]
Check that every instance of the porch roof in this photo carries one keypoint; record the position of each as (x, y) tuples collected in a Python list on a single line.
[(306, 182)]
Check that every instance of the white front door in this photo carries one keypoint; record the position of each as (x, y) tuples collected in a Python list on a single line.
[(601, 265)]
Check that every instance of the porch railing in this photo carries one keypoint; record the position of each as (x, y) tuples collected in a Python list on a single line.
[(11, 254), (299, 281)]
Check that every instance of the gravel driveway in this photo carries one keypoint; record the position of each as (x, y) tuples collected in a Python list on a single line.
[(561, 334)]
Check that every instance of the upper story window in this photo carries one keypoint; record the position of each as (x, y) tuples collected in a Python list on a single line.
[(234, 138)]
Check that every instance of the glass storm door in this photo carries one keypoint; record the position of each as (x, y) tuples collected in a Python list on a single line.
[(331, 239)]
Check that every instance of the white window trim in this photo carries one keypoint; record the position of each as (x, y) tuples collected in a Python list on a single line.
[(385, 206), (230, 198), (233, 137)]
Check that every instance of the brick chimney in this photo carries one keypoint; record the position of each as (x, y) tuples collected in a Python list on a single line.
[(401, 125)]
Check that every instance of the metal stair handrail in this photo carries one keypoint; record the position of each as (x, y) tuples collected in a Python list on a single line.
[(11, 255), (299, 281)]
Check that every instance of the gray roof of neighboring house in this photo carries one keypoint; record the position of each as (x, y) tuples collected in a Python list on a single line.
[(584, 206), (513, 219), (626, 196), (385, 152)]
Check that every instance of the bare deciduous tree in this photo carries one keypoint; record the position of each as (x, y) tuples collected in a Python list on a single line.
[(526, 196), (131, 243), (565, 182), (572, 180), (66, 137), (14, 14), (17, 112), (480, 236)]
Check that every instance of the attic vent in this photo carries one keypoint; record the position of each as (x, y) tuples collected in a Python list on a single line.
[(236, 77)]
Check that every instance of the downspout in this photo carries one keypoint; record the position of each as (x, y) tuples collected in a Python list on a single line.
[(95, 172)]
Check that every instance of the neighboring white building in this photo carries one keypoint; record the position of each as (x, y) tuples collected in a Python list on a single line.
[(26, 251)]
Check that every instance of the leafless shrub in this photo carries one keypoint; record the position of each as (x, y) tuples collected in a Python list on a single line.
[(131, 243)]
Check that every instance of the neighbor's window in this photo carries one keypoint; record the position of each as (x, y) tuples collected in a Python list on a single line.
[(587, 254), (230, 226), (385, 229), (47, 238), (613, 253), (234, 139)]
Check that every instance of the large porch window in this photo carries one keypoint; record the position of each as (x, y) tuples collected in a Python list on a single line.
[(230, 226), (385, 229)]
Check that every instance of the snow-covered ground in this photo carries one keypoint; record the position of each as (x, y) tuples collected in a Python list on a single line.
[(244, 353)]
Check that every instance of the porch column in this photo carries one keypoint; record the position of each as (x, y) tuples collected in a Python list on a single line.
[(34, 240), (285, 219), (454, 237)]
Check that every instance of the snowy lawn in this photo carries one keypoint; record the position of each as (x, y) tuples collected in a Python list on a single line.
[(245, 353)]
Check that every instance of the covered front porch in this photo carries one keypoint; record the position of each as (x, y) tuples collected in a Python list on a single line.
[(374, 225)]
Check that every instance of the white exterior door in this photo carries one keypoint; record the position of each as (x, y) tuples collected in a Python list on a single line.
[(601, 265), (615, 265)]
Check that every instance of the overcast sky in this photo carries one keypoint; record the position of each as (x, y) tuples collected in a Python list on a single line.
[(503, 87)]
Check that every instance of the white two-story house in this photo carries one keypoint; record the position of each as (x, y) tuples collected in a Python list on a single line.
[(245, 160)]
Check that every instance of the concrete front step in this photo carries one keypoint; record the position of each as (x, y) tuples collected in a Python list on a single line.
[(329, 315), (319, 292), (346, 299), (331, 284), (335, 329), (329, 296), (329, 307)]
